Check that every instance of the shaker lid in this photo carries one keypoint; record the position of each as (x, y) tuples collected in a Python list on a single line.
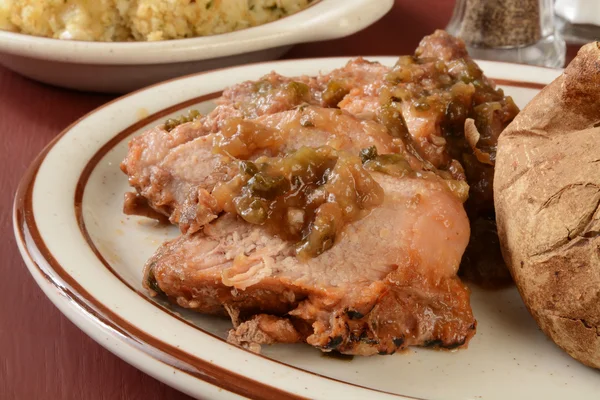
[(579, 11)]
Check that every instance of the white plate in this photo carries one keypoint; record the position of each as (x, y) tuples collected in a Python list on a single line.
[(75, 189), (120, 67)]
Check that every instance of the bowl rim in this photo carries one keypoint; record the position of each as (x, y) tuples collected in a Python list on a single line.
[(323, 20)]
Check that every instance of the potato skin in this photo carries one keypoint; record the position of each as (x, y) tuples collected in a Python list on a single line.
[(547, 198)]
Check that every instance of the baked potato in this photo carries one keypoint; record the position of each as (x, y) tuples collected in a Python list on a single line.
[(547, 198)]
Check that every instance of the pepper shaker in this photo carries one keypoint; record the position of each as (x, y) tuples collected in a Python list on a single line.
[(520, 31)]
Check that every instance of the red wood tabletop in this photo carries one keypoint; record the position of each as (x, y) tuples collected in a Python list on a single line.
[(42, 354)]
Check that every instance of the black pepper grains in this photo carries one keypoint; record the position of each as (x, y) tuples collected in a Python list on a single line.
[(500, 23)]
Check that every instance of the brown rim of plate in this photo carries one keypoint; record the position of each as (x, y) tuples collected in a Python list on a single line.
[(56, 275), (520, 84)]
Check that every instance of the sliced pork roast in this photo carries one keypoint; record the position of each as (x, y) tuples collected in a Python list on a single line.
[(177, 180), (424, 99), (328, 209), (388, 282)]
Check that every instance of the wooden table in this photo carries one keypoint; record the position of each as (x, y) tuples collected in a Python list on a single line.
[(42, 354)]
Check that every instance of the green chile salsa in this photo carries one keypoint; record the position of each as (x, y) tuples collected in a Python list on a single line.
[(448, 92), (306, 196), (309, 195)]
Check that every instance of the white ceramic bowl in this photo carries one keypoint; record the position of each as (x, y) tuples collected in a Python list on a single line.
[(125, 66)]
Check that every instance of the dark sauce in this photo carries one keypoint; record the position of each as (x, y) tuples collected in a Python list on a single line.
[(482, 263), (338, 356)]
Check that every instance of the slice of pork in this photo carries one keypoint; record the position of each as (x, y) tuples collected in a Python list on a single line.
[(147, 151), (388, 282), (179, 182)]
